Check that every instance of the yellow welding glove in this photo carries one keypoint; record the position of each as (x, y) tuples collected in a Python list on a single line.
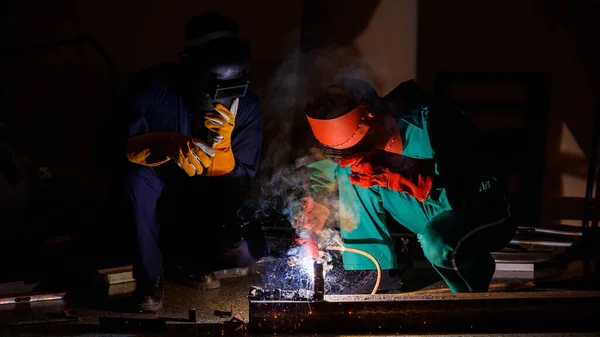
[(221, 122), (156, 148)]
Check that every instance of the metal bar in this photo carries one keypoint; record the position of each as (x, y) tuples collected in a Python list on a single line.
[(40, 322), (595, 205), (430, 313), (541, 243), (527, 256), (33, 297), (130, 323), (590, 211), (550, 231), (497, 286)]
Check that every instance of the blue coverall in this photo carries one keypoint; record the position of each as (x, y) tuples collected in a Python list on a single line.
[(198, 213)]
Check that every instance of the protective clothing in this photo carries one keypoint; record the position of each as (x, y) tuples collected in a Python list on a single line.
[(392, 139), (157, 148), (221, 123), (154, 102), (458, 211), (310, 246), (148, 295), (376, 168), (217, 63), (344, 131), (310, 224), (314, 216)]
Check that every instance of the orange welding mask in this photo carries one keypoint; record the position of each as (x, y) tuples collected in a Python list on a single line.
[(351, 128), (342, 132)]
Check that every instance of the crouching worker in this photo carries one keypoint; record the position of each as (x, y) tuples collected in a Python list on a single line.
[(416, 158), (193, 147)]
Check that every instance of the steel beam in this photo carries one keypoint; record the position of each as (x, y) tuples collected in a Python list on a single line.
[(536, 311), (32, 297)]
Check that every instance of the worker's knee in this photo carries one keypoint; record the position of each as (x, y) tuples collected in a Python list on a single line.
[(435, 248), (141, 180)]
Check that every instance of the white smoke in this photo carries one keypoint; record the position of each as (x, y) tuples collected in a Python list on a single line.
[(283, 176)]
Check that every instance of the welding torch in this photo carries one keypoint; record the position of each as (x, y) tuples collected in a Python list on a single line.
[(319, 274), (310, 224)]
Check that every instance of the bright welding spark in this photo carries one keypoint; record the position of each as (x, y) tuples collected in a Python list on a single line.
[(307, 264)]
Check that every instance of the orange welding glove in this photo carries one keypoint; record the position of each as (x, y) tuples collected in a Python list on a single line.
[(156, 148), (375, 169), (310, 224), (314, 215), (310, 246), (221, 123)]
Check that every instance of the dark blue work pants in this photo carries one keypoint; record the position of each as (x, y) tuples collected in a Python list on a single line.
[(191, 221)]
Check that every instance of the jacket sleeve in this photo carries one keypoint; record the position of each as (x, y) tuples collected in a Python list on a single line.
[(323, 180), (136, 104), (246, 140), (246, 143), (461, 159)]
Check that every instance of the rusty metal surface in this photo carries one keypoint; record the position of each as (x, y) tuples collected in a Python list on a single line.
[(572, 311), (32, 297)]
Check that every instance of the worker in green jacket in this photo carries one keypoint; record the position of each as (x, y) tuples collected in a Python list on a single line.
[(417, 158)]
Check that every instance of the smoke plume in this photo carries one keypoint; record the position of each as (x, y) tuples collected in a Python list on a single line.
[(289, 145)]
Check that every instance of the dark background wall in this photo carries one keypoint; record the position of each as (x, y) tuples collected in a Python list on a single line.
[(558, 37), (55, 100)]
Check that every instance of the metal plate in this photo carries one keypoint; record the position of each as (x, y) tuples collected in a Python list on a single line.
[(429, 313)]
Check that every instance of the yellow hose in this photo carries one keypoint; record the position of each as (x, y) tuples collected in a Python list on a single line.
[(363, 253)]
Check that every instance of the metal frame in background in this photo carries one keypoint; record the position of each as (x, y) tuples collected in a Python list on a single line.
[(538, 86), (112, 70), (590, 212), (537, 107)]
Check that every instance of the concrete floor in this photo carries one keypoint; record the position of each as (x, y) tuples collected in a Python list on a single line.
[(231, 297)]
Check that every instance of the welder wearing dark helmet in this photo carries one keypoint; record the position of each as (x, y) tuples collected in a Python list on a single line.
[(193, 147), (416, 158)]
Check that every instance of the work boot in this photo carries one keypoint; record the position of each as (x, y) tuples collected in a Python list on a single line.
[(148, 295)]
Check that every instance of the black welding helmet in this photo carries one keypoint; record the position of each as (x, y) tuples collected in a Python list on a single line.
[(216, 60)]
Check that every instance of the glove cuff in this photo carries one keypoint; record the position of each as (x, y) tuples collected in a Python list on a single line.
[(223, 162), (149, 149)]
